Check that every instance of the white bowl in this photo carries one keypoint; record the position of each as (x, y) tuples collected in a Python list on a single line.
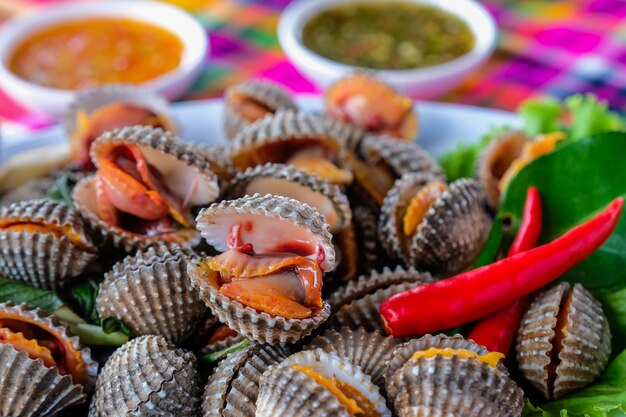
[(422, 83), (52, 100)]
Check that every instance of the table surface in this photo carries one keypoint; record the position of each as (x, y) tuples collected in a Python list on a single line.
[(556, 48)]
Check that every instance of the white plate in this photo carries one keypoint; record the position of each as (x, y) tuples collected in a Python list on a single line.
[(442, 125)]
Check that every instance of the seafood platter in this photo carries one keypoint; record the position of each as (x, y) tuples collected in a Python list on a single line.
[(318, 264)]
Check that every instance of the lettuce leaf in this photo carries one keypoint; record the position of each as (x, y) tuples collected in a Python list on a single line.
[(590, 116), (540, 116), (606, 398)]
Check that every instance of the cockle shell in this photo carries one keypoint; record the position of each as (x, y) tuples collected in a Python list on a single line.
[(281, 218), (449, 386), (28, 387), (452, 232), (368, 350), (264, 92), (32, 190), (286, 130), (286, 391), (147, 376), (495, 159), (357, 303), (585, 345), (287, 181), (233, 387), (152, 294), (175, 159), (44, 259), (371, 250)]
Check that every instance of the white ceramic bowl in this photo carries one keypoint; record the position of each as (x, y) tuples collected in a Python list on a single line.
[(53, 101), (422, 83)]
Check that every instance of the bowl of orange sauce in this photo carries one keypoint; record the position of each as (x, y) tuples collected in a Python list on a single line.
[(47, 54)]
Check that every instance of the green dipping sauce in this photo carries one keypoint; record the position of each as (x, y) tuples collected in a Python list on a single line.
[(388, 35)]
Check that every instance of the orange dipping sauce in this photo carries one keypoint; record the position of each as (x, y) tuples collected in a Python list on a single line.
[(94, 52)]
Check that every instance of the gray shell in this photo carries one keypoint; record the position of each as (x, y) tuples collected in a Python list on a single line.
[(286, 391), (372, 252), (510, 142), (280, 127), (350, 135), (32, 190), (246, 321), (452, 232), (403, 352), (357, 303), (152, 294), (92, 99), (290, 174), (30, 389), (368, 350), (42, 259), (233, 387), (147, 376), (163, 142), (451, 386), (269, 94), (585, 349)]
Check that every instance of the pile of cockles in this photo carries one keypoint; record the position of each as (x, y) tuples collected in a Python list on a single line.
[(274, 255)]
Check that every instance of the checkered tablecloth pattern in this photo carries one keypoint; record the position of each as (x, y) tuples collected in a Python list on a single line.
[(546, 47)]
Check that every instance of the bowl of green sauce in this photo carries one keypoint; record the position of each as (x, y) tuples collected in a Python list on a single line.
[(423, 48)]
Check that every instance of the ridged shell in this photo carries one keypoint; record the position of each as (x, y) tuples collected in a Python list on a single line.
[(148, 137), (30, 389), (368, 350), (289, 174), (51, 323), (585, 349), (222, 344), (152, 294), (233, 388), (349, 135), (246, 321), (402, 157), (451, 386), (357, 303), (92, 99), (43, 259), (403, 352), (286, 391), (279, 128), (32, 190), (147, 376), (348, 253), (269, 94), (510, 143), (276, 207), (371, 249), (452, 232)]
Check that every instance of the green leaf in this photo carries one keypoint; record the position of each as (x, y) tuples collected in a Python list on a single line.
[(214, 357), (576, 181), (590, 116), (91, 334), (112, 325), (62, 191), (540, 115), (35, 297), (84, 294), (606, 398)]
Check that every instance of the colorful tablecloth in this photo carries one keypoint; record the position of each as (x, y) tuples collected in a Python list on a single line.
[(546, 47)]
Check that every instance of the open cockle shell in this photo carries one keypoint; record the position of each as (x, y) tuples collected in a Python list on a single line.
[(181, 167), (287, 181), (451, 233), (573, 316), (403, 352), (357, 303), (147, 376), (50, 324), (278, 136), (233, 388), (286, 391), (368, 350), (43, 258), (495, 159), (152, 294), (452, 386), (262, 93)]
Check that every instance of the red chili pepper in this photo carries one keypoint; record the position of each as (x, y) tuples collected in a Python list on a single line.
[(497, 331), (477, 293)]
